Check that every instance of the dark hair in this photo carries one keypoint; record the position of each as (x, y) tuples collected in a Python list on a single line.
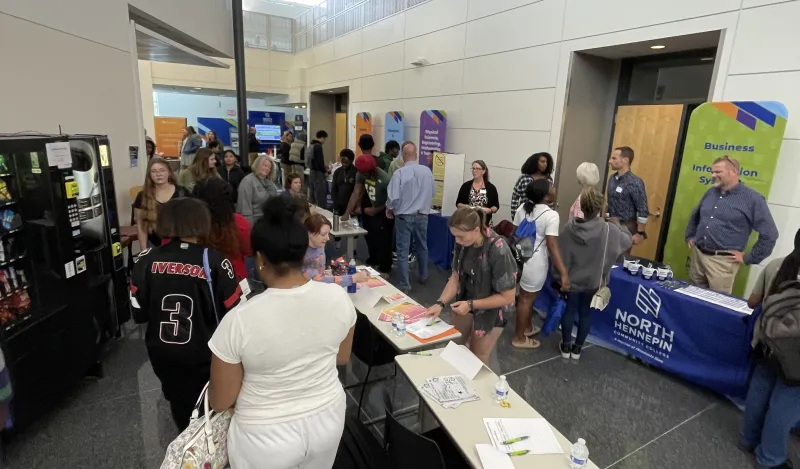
[(291, 177), (280, 236), (199, 166), (191, 130), (536, 191), (366, 142), (183, 218), (392, 145), (626, 152), (224, 234), (485, 169), (232, 153), (347, 153), (790, 267), (531, 165), (322, 134), (315, 222), (214, 144)]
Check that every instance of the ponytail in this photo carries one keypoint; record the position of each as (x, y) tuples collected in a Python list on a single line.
[(467, 219), (535, 193)]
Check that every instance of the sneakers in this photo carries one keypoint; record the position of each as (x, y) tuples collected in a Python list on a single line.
[(412, 258), (576, 352), (565, 349)]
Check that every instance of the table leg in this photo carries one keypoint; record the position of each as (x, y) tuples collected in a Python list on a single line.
[(351, 246)]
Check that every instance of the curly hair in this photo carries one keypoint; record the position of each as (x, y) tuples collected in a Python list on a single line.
[(224, 234)]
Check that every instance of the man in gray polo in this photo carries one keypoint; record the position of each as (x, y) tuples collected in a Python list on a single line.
[(720, 226)]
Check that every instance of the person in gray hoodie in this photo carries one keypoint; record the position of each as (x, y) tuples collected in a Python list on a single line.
[(255, 189), (584, 246)]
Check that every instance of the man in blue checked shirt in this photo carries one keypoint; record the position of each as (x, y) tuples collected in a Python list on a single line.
[(720, 226), (627, 199), (410, 194)]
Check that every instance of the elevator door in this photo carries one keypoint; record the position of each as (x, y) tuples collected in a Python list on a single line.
[(652, 131)]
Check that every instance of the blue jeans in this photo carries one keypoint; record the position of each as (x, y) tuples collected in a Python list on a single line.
[(406, 228), (771, 410), (577, 307)]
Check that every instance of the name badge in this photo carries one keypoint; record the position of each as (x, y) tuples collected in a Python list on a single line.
[(483, 191), (619, 189)]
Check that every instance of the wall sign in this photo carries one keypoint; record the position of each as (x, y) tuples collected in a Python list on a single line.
[(432, 134), (395, 127)]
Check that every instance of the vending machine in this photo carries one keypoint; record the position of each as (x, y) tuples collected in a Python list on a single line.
[(63, 267)]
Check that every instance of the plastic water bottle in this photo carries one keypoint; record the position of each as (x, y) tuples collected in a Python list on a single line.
[(354, 222), (578, 455), (401, 325), (501, 390), (351, 269), (394, 321)]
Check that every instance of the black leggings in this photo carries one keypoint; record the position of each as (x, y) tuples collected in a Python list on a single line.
[(181, 384), (379, 240)]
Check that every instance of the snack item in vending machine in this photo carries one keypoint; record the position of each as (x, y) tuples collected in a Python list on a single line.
[(20, 302), (4, 281)]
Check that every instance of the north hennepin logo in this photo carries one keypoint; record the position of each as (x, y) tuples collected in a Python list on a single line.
[(648, 301)]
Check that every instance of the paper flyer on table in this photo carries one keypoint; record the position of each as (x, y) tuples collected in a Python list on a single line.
[(395, 297), (373, 282), (422, 330), (368, 297), (493, 458), (411, 312), (462, 359), (541, 439)]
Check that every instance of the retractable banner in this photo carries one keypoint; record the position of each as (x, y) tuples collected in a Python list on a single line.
[(750, 132), (395, 127), (432, 134), (363, 125)]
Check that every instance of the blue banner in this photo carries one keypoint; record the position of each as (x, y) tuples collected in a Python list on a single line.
[(395, 127), (694, 339)]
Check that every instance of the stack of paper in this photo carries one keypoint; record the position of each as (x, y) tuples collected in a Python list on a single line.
[(449, 391), (422, 330), (410, 311), (536, 435)]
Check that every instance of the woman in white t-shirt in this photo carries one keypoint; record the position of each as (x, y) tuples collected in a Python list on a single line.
[(275, 357), (534, 273)]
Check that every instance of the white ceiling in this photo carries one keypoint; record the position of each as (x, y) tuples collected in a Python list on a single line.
[(706, 40), (153, 46), (212, 92)]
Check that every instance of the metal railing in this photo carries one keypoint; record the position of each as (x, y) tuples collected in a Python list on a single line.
[(268, 32), (333, 18)]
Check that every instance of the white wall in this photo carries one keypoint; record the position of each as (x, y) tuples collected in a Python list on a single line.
[(500, 70), (69, 63), (191, 106)]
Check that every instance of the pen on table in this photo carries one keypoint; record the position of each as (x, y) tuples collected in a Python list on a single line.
[(424, 354), (433, 321), (518, 453), (515, 440)]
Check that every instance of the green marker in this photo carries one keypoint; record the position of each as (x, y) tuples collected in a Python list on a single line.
[(518, 453), (437, 320), (424, 354), (515, 440)]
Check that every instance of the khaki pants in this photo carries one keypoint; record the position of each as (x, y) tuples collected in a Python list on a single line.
[(716, 273)]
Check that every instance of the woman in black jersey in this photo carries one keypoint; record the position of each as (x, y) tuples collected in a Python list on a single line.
[(181, 291)]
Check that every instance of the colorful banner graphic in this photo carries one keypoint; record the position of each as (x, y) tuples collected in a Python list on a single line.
[(363, 125), (395, 127), (432, 134), (169, 134), (750, 132), (438, 165)]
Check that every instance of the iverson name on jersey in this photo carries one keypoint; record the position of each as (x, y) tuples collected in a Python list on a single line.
[(177, 268)]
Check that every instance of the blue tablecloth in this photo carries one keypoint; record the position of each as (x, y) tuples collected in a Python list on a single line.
[(440, 241), (696, 340)]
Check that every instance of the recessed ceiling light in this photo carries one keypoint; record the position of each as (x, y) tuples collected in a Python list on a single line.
[(331, 91), (707, 58), (297, 107), (658, 46), (303, 107), (198, 88), (193, 91)]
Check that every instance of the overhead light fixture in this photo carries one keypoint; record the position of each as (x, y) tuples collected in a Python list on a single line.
[(303, 107), (198, 88), (193, 91), (330, 91), (707, 58), (658, 46), (297, 107)]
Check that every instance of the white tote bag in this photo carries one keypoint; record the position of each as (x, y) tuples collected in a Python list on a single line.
[(603, 296), (204, 443)]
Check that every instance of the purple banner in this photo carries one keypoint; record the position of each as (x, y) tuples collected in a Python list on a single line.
[(432, 134)]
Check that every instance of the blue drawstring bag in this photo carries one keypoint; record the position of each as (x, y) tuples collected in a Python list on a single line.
[(554, 314)]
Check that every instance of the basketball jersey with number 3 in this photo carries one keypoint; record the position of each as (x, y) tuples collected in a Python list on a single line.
[(170, 293)]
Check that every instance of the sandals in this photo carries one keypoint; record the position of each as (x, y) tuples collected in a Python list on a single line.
[(528, 344), (534, 330)]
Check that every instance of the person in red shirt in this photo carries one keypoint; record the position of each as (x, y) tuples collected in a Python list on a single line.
[(230, 232)]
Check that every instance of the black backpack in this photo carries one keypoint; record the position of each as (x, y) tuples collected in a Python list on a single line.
[(779, 326)]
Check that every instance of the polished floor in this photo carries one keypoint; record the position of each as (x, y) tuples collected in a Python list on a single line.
[(631, 416)]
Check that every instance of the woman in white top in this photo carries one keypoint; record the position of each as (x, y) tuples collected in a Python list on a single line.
[(534, 273), (275, 357)]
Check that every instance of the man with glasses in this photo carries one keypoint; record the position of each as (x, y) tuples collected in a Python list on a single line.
[(720, 226)]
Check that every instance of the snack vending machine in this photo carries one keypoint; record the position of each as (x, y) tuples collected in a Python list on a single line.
[(60, 266)]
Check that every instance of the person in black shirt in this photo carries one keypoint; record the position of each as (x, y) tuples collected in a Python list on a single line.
[(181, 291), (315, 161), (232, 172), (344, 180), (159, 188), (286, 147)]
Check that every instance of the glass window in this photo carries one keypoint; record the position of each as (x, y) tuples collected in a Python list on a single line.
[(280, 33), (256, 32)]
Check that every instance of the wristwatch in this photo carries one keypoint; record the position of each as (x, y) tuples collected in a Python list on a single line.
[(440, 303), (469, 304), (643, 234)]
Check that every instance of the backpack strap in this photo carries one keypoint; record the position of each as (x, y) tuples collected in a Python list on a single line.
[(207, 270), (543, 237)]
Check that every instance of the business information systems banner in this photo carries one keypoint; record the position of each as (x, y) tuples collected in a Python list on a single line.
[(395, 127), (748, 131)]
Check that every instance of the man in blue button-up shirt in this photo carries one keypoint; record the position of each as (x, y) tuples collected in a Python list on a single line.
[(720, 226), (410, 195)]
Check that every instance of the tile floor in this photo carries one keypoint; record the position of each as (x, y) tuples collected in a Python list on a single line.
[(632, 416)]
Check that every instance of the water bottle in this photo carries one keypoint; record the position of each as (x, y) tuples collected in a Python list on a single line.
[(351, 269), (354, 222), (578, 455), (394, 321), (401, 325), (501, 390)]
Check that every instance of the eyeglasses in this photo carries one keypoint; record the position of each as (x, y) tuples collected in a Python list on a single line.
[(477, 169)]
